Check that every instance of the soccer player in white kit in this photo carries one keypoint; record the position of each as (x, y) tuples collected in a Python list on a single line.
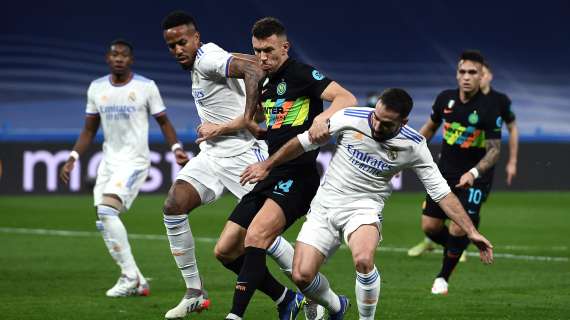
[(222, 85), (121, 102), (372, 146)]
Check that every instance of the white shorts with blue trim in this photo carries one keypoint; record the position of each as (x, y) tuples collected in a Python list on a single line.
[(209, 174), (325, 228), (123, 181)]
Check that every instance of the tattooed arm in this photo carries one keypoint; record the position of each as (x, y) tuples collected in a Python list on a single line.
[(488, 161)]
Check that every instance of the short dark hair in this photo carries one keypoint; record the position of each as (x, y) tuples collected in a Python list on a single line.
[(472, 55), (487, 65), (397, 100), (268, 26), (178, 18), (121, 42)]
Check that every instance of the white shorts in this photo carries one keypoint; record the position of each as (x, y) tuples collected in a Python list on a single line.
[(325, 228), (209, 174), (123, 181)]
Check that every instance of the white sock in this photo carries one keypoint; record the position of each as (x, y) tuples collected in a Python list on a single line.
[(319, 291), (115, 237), (182, 248), (282, 252), (367, 293)]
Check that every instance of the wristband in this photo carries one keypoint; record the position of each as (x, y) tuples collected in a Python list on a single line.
[(175, 146), (73, 154), (474, 172)]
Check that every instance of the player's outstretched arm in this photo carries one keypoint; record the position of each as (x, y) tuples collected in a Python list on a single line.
[(428, 129), (83, 141), (169, 134), (259, 171), (340, 98), (454, 210), (487, 162), (247, 68), (513, 151)]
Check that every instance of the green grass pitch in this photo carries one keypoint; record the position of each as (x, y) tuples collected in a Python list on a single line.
[(64, 276)]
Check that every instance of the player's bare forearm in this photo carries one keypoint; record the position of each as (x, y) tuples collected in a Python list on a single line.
[(167, 129), (455, 211), (513, 141), (252, 74), (87, 134), (491, 156), (339, 97), (291, 150), (428, 129)]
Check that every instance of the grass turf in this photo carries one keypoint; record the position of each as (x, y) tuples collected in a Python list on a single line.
[(65, 277)]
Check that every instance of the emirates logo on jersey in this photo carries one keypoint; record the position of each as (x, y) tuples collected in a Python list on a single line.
[(132, 96)]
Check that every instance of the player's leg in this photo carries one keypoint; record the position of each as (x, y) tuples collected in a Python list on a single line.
[(457, 240), (114, 192), (182, 198), (363, 243), (317, 240), (268, 223)]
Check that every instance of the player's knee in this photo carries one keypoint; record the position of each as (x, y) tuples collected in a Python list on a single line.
[(173, 206), (258, 238), (302, 277), (364, 262), (223, 253), (431, 228)]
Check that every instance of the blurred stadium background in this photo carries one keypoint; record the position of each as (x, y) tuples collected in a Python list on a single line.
[(49, 53)]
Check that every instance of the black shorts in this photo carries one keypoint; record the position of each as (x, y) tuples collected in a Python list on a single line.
[(472, 199), (293, 191)]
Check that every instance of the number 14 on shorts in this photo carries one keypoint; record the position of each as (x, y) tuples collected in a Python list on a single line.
[(283, 186)]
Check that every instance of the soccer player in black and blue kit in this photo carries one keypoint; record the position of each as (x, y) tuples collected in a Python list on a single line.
[(471, 146), (292, 100)]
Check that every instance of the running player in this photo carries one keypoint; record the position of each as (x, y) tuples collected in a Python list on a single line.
[(292, 99), (471, 146), (372, 146), (226, 147), (120, 103)]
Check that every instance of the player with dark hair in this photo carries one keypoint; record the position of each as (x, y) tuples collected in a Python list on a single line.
[(120, 103), (223, 84), (292, 99), (470, 149), (503, 103), (372, 146)]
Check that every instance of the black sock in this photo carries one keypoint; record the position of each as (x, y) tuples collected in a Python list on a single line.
[(441, 237), (270, 286), (250, 277), (451, 255)]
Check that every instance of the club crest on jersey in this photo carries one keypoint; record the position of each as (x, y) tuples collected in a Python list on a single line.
[(473, 118), (104, 98), (392, 154), (281, 88), (132, 96)]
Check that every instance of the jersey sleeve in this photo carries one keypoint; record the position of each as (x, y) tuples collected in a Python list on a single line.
[(215, 64), (91, 107), (314, 80), (507, 114), (155, 103), (428, 173), (336, 123), (437, 110)]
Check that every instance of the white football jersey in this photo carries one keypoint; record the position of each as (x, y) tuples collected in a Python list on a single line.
[(360, 171), (124, 112), (219, 99)]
